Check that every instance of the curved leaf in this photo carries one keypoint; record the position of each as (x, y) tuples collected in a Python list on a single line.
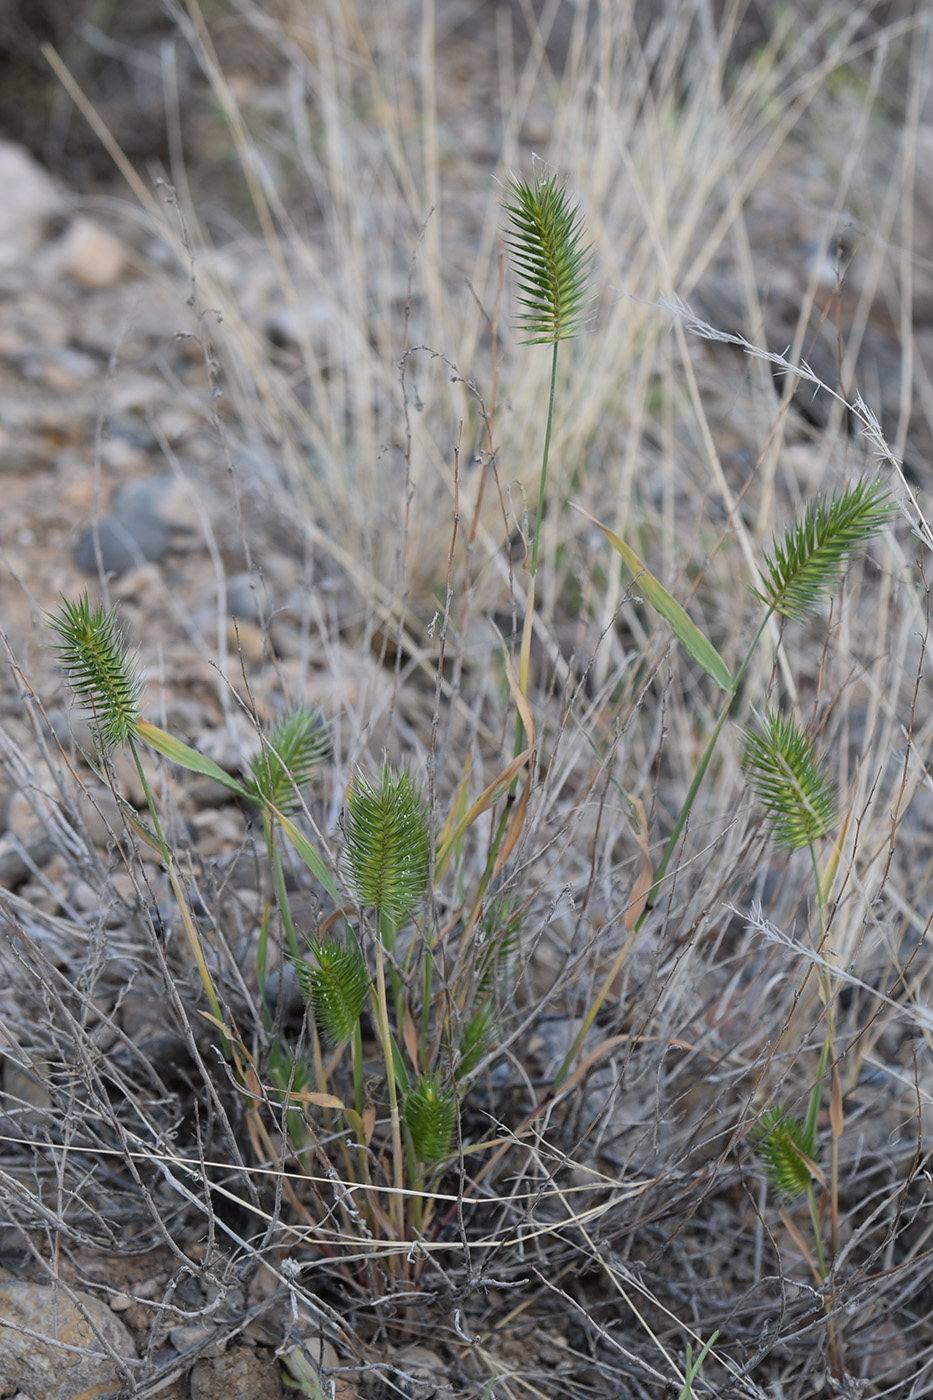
[(686, 632)]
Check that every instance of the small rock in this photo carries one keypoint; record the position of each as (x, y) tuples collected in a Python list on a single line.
[(138, 583), (216, 833), (243, 598), (284, 982), (424, 1373), (239, 1374), (30, 814), (140, 527), (19, 454), (248, 640), (30, 199), (18, 860), (65, 369), (123, 544), (168, 497), (26, 1098), (38, 1364), (90, 255), (232, 747), (193, 1337)]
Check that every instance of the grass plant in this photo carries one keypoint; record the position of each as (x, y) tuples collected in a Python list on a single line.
[(568, 1009)]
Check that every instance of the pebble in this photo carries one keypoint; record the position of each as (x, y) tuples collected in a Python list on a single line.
[(19, 859), (243, 594), (239, 1374), (424, 1372), (216, 833), (26, 1099), (30, 199), (139, 529), (167, 497), (90, 255), (123, 544), (65, 369), (19, 454), (37, 1365)]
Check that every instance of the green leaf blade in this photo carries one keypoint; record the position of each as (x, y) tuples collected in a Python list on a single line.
[(687, 633), (186, 757)]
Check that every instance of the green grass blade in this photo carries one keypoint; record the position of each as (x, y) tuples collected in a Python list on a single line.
[(686, 632), (187, 757)]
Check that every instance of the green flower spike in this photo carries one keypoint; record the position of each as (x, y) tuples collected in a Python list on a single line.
[(550, 260), (807, 564), (387, 844), (791, 785), (102, 672)]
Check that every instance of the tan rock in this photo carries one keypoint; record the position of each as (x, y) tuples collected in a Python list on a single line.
[(239, 1374), (52, 1348), (92, 256)]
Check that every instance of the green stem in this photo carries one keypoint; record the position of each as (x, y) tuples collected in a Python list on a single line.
[(699, 775), (187, 919), (539, 513), (386, 939), (385, 1038), (544, 460)]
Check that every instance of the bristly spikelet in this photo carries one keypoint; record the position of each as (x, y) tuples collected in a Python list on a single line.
[(788, 777), (814, 550), (550, 259), (291, 752), (387, 844), (477, 1039), (101, 670), (785, 1148), (337, 985), (430, 1115)]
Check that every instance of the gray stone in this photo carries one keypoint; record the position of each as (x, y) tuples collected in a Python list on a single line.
[(139, 529), (29, 200), (123, 543)]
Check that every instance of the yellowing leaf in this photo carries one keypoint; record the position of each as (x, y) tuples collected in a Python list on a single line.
[(186, 757), (686, 632), (487, 798), (644, 880)]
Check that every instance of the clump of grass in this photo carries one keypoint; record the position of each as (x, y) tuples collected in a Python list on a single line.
[(523, 1074)]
